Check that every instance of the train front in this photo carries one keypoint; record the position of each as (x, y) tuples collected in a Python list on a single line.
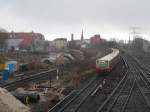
[(102, 66)]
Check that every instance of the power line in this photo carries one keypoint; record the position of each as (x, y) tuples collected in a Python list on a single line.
[(134, 31)]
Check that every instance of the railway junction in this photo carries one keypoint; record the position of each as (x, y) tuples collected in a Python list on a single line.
[(114, 80), (129, 94)]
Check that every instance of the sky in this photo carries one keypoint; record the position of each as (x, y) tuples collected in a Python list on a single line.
[(60, 18)]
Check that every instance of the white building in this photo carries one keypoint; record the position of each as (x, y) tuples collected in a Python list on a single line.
[(13, 42)]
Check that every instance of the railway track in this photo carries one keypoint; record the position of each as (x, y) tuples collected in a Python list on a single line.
[(132, 94), (73, 104), (84, 99), (34, 78), (93, 102), (141, 102)]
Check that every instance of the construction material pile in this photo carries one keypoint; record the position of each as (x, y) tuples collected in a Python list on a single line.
[(8, 103)]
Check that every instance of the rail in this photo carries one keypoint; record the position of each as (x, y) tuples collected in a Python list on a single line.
[(140, 82), (36, 77), (80, 98)]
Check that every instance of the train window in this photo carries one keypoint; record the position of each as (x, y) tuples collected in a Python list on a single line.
[(103, 64)]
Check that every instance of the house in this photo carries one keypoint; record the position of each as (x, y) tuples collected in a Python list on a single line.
[(13, 43), (52, 46), (75, 44), (60, 43), (30, 41), (96, 39)]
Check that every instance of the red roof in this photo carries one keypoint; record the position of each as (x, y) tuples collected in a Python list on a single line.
[(27, 39)]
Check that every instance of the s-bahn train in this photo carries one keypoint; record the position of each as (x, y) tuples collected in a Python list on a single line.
[(106, 63)]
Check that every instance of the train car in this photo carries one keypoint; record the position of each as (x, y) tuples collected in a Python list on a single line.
[(106, 63)]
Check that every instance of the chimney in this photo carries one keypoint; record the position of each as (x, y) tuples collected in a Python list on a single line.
[(72, 37)]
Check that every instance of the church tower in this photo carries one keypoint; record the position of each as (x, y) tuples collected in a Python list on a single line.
[(82, 37)]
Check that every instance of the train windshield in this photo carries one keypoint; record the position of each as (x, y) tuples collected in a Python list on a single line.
[(103, 64)]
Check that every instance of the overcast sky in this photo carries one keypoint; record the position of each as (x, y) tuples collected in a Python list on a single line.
[(60, 18)]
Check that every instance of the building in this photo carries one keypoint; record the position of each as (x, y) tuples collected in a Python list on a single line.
[(52, 47), (3, 40), (60, 43), (138, 43), (96, 39), (141, 44), (87, 41), (28, 41), (146, 46), (13, 43), (84, 45)]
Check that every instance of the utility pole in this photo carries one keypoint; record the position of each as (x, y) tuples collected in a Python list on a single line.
[(129, 38), (134, 31)]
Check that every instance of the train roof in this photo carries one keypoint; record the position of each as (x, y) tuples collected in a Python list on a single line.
[(110, 56)]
